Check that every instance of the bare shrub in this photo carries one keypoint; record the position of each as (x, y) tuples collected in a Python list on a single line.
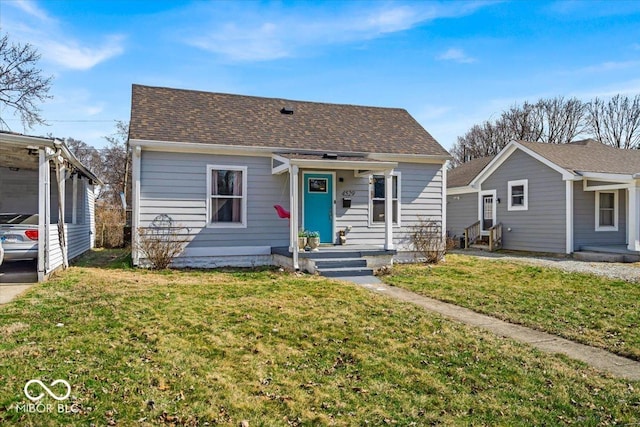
[(428, 241), (110, 224), (161, 242)]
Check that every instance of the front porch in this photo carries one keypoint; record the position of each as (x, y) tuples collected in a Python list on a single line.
[(336, 261), (368, 189)]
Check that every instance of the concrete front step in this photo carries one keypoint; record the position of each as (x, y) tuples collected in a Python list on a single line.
[(325, 263), (599, 257), (345, 272)]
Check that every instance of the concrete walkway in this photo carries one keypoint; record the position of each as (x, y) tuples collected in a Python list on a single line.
[(9, 291), (597, 358)]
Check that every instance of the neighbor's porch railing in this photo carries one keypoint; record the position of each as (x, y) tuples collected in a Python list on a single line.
[(495, 237), (471, 234)]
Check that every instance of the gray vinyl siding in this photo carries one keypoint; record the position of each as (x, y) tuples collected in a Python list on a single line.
[(175, 184), (18, 191), (54, 252), (584, 213), (541, 228), (420, 197), (462, 211)]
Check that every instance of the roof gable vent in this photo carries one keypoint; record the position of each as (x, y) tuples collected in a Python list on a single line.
[(286, 110)]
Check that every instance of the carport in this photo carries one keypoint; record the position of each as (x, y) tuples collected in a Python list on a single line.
[(40, 175)]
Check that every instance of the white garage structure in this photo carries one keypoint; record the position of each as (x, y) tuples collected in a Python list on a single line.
[(40, 175)]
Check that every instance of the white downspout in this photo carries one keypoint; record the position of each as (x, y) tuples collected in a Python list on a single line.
[(444, 205), (135, 172)]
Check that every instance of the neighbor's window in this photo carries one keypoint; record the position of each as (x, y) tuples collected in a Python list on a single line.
[(518, 195), (377, 199), (227, 200), (606, 210)]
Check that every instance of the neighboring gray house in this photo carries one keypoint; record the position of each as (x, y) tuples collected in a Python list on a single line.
[(218, 163), (41, 176), (561, 198)]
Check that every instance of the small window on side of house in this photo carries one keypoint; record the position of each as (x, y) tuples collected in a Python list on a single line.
[(377, 197), (607, 210), (226, 196), (518, 199)]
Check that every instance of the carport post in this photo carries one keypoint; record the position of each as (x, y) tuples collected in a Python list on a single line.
[(44, 196)]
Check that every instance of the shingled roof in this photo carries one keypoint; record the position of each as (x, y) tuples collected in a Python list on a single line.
[(588, 156), (177, 115), (463, 174)]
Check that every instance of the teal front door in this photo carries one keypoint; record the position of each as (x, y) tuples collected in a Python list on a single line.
[(318, 204)]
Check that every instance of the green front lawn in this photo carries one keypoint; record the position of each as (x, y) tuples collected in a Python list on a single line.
[(191, 348), (582, 307)]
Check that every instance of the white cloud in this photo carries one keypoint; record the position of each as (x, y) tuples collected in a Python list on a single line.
[(260, 35), (456, 55), (610, 66), (70, 54), (32, 9), (629, 88), (28, 23)]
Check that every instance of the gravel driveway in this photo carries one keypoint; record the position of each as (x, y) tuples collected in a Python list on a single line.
[(629, 272)]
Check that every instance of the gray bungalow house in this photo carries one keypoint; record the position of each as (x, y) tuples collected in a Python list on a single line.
[(218, 164), (566, 198)]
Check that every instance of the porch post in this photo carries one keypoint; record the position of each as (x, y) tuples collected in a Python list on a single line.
[(569, 217), (388, 210), (61, 173), (633, 227), (44, 197), (293, 220), (74, 199)]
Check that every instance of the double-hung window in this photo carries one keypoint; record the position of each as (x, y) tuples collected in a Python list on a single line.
[(607, 210), (377, 196), (227, 196), (518, 195)]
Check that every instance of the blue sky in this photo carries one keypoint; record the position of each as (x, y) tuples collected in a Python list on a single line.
[(451, 64)]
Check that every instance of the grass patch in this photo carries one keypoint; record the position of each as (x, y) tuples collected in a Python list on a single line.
[(218, 347), (586, 308)]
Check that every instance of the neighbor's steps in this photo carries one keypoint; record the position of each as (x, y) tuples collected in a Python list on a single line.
[(597, 257), (479, 246)]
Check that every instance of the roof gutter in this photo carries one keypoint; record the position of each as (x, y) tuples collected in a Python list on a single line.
[(199, 147), (53, 143)]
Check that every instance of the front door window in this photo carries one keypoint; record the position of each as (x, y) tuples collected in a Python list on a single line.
[(487, 212)]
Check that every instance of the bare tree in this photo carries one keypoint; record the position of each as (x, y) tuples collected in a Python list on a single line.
[(21, 82), (87, 154), (563, 119), (616, 122), (555, 120), (116, 160), (523, 123)]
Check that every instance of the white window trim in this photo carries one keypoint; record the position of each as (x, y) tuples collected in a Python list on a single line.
[(525, 205), (615, 211), (243, 223), (372, 224)]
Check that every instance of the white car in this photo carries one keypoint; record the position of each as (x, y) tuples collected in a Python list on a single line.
[(1, 250), (19, 235)]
